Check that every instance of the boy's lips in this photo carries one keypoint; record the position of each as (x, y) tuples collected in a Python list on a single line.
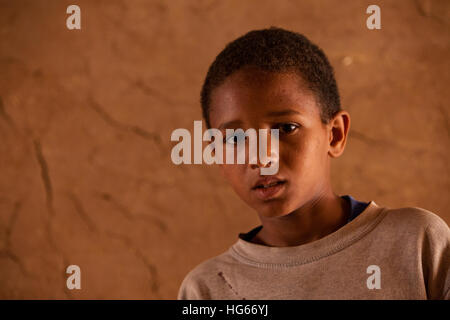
[(268, 187)]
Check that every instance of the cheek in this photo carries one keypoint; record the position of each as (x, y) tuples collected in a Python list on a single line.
[(304, 155)]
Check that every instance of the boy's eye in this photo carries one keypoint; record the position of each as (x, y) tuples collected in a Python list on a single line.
[(287, 128), (234, 138)]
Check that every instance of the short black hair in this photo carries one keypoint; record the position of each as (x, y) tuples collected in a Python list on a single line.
[(276, 50)]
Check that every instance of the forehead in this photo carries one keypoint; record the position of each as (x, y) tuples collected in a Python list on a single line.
[(251, 94)]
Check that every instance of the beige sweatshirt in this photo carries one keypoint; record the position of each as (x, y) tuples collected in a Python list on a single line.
[(381, 254)]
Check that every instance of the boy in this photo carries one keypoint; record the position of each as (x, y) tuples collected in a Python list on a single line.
[(311, 244)]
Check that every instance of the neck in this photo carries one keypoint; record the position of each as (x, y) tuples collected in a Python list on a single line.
[(314, 220)]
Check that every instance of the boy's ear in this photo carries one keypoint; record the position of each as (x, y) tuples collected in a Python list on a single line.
[(339, 128)]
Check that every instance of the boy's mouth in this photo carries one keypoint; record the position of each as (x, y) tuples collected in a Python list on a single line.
[(265, 186), (267, 182), (269, 187)]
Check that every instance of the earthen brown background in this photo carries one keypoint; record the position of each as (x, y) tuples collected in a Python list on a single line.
[(86, 116)]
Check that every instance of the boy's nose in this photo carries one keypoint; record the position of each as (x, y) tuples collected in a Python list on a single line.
[(255, 161)]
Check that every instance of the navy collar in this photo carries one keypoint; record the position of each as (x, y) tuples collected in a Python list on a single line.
[(356, 207)]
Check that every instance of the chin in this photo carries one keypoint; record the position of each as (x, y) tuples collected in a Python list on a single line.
[(273, 209)]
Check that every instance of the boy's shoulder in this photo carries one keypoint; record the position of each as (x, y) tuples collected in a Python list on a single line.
[(415, 226), (209, 265), (415, 218)]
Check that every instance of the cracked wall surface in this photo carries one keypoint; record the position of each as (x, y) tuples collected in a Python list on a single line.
[(86, 116)]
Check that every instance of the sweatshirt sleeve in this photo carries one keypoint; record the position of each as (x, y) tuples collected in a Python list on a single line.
[(195, 285), (436, 259), (188, 290)]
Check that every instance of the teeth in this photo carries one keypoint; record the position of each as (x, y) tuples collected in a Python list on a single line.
[(265, 186), (270, 185)]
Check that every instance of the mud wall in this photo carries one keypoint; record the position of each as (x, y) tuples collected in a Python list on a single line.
[(86, 117)]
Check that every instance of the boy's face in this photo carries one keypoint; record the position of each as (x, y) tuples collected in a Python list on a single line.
[(252, 98)]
